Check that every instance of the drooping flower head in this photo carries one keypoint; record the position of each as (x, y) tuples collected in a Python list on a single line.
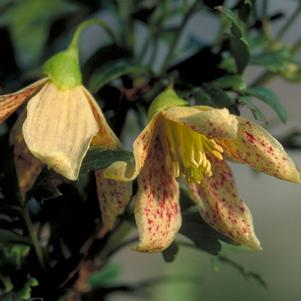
[(63, 120), (194, 143)]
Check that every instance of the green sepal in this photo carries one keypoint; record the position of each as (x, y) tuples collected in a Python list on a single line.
[(168, 98), (63, 69)]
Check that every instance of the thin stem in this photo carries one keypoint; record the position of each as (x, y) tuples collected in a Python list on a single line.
[(173, 45), (290, 21), (87, 24), (33, 238)]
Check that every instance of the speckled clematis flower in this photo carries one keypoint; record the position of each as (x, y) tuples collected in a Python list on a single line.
[(193, 143), (63, 120)]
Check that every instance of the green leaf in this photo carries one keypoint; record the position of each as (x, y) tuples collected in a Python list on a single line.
[(7, 236), (257, 113), (29, 22), (24, 293), (98, 158), (204, 237), (234, 82), (240, 52), (271, 99), (170, 254), (105, 276), (274, 61), (218, 95), (238, 43), (112, 71), (201, 97)]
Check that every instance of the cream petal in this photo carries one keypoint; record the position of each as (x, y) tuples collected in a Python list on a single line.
[(127, 171), (204, 120), (113, 197), (221, 207), (59, 128), (9, 103), (157, 210), (256, 147)]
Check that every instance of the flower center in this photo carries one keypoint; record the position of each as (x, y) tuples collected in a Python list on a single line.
[(185, 151)]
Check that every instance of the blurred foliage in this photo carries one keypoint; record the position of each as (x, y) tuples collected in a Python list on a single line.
[(51, 243)]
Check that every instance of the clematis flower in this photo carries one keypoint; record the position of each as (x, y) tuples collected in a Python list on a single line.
[(63, 120), (194, 143)]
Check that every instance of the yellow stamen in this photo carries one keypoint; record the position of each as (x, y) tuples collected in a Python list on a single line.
[(185, 151)]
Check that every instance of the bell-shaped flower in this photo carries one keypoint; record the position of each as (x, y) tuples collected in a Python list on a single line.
[(194, 143), (63, 120)]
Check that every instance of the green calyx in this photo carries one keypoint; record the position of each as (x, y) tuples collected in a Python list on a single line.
[(63, 69), (168, 98)]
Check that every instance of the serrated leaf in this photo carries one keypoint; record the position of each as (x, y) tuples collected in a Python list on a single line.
[(112, 71), (271, 99), (170, 254), (234, 82), (98, 158), (218, 95)]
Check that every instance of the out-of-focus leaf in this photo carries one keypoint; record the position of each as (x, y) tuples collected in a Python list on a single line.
[(213, 3), (7, 236), (13, 254), (170, 254), (218, 95), (271, 99), (257, 113), (105, 276), (23, 294), (204, 237), (238, 43), (292, 140), (98, 158), (234, 82), (274, 61), (112, 71), (200, 96), (29, 23)]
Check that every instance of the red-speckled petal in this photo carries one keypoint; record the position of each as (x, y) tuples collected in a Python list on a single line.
[(256, 147), (113, 197), (59, 127), (9, 103), (204, 120), (157, 210), (124, 171), (221, 207)]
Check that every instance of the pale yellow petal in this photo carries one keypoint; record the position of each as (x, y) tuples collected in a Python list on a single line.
[(204, 120), (113, 197), (157, 210), (221, 207), (127, 171), (105, 136), (9, 103), (256, 147), (59, 128)]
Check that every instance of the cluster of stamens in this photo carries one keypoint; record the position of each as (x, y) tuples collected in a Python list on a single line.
[(185, 151)]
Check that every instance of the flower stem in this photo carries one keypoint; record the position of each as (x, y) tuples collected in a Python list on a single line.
[(33, 237), (87, 24), (173, 45)]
